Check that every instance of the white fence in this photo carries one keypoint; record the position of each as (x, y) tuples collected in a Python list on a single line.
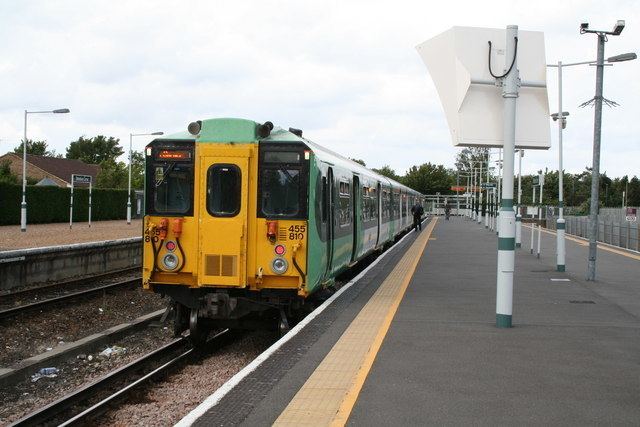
[(613, 228)]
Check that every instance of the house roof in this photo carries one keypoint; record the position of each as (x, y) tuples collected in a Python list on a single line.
[(47, 182), (63, 168)]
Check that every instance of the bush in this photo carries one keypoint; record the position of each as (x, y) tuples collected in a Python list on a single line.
[(51, 204)]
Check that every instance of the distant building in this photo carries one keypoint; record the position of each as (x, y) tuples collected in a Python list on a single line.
[(50, 170)]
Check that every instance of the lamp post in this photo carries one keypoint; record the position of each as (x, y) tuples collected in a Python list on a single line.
[(597, 130), (561, 118), (23, 205), (518, 214), (487, 203), (479, 216), (131, 135)]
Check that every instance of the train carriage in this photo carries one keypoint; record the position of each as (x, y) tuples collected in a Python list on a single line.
[(245, 222)]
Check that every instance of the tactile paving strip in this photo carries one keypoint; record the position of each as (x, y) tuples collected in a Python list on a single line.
[(239, 405), (330, 393)]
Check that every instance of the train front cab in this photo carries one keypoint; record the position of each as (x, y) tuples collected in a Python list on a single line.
[(226, 231)]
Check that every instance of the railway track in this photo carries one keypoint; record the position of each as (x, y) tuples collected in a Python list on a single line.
[(63, 285), (13, 311), (172, 355)]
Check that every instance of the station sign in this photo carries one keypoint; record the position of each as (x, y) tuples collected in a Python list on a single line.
[(80, 179), (631, 214), (488, 185)]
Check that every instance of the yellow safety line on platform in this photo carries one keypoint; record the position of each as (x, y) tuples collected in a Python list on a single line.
[(330, 393), (573, 239), (600, 246)]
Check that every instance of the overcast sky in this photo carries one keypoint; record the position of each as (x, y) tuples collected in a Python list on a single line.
[(346, 72)]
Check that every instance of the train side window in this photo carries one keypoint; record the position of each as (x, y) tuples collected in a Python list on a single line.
[(223, 190), (344, 204)]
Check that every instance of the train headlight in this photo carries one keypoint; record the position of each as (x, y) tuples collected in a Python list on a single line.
[(279, 265), (170, 261)]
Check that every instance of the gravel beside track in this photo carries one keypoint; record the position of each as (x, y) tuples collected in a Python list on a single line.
[(165, 403), (32, 333), (38, 235), (16, 402)]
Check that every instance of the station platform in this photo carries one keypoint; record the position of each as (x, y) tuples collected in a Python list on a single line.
[(414, 342)]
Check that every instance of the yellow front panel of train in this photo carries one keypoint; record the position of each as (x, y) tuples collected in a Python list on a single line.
[(281, 254), (223, 222)]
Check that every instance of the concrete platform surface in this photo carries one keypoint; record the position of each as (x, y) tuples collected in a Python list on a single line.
[(572, 357)]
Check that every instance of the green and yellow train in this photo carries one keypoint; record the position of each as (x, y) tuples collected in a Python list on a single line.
[(245, 222)]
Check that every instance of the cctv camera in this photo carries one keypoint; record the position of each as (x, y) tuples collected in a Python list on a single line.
[(619, 27), (584, 26)]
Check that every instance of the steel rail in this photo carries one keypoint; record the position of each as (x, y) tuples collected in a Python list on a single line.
[(72, 282), (77, 397), (9, 312), (51, 410)]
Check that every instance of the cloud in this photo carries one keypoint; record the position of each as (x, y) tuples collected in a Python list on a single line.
[(346, 73)]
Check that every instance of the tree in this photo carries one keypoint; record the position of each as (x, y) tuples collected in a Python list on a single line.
[(388, 172), (37, 148), (137, 170), (6, 176), (430, 179), (465, 158), (358, 161), (634, 192), (112, 175), (95, 150)]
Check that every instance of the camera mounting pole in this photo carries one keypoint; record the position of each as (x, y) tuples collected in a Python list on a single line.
[(507, 217)]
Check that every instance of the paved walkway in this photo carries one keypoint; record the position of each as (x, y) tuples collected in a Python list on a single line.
[(38, 235), (414, 342), (573, 357)]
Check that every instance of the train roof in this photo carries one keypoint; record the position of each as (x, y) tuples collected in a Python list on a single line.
[(178, 136), (324, 154)]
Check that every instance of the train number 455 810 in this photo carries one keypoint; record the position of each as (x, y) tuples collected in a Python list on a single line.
[(296, 232)]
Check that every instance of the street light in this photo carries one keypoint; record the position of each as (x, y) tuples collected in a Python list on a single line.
[(23, 205), (561, 118), (131, 135), (597, 130)]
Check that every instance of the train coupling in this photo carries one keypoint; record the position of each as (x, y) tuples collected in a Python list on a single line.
[(217, 305)]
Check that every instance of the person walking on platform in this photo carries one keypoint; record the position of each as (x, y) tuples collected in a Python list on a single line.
[(417, 212), (447, 212)]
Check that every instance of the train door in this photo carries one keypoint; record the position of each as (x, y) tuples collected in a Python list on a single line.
[(330, 209), (223, 220), (379, 207), (356, 200), (402, 209)]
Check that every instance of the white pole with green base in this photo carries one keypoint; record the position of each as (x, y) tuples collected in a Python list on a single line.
[(486, 212), (560, 244), (518, 214), (506, 218), (480, 195), (533, 222)]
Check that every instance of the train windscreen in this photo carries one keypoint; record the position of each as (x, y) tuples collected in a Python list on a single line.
[(169, 179), (283, 179)]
